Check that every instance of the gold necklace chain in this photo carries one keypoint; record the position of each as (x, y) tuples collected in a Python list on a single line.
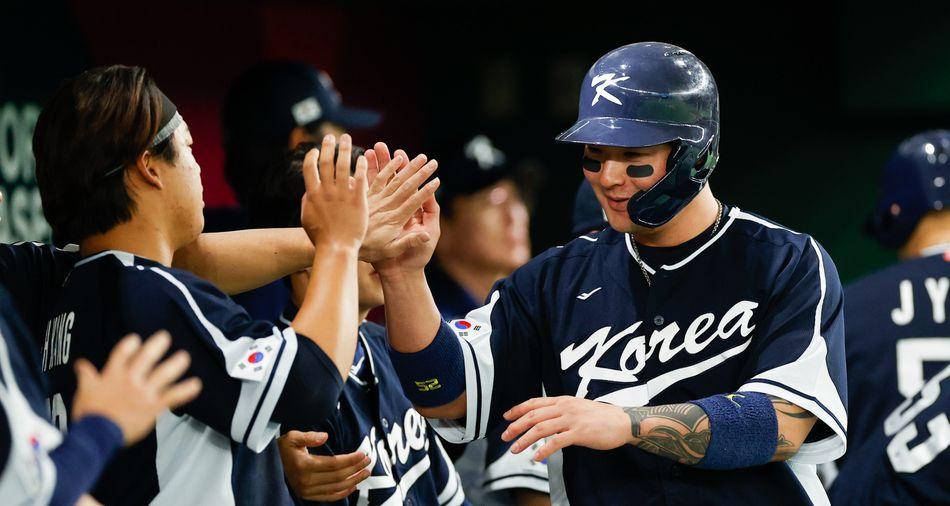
[(636, 251)]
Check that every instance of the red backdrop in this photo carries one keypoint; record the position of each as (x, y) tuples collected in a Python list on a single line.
[(195, 51)]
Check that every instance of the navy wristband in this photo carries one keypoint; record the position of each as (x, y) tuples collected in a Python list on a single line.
[(85, 451), (435, 375), (744, 430)]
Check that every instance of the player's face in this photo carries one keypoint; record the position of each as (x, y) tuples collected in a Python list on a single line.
[(617, 174), (370, 288), (489, 229), (183, 182)]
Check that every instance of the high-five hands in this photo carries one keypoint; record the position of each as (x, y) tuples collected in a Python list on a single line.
[(421, 229), (394, 197)]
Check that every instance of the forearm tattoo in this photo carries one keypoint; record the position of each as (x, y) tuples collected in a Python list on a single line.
[(786, 449), (676, 431)]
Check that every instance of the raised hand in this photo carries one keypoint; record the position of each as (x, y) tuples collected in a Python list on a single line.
[(333, 210), (394, 197), (422, 223), (134, 387), (318, 477)]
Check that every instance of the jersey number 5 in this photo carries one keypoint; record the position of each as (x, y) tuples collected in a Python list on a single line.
[(901, 425)]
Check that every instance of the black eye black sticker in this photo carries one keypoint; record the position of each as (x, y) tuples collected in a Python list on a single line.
[(590, 164), (640, 170)]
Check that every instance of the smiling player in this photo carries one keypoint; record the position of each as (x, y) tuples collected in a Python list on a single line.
[(692, 352)]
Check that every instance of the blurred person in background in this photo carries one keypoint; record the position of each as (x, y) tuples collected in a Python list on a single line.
[(898, 339), (485, 228), (485, 237), (269, 109)]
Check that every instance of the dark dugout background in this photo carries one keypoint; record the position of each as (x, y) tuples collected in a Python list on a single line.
[(814, 97)]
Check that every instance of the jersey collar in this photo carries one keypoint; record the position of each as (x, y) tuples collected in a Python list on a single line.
[(733, 212)]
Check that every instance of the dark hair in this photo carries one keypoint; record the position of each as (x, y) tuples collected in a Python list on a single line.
[(97, 121), (275, 202)]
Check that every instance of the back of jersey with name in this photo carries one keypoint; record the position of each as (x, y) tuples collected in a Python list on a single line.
[(897, 337)]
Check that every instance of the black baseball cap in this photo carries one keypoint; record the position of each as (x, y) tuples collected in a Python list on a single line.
[(272, 98), (477, 166)]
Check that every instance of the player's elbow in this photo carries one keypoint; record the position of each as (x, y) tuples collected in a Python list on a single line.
[(451, 411)]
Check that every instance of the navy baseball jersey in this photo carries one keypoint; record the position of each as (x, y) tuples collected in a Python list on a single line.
[(255, 378), (906, 459), (897, 337), (408, 463), (754, 307), (27, 474)]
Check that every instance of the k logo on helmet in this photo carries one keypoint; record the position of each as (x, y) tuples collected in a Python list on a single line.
[(601, 82)]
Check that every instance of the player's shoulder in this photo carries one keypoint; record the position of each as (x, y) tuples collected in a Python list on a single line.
[(22, 255), (580, 249), (147, 284), (918, 268), (754, 227)]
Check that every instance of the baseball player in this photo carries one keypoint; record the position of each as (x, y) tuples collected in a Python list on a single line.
[(898, 339), (112, 136), (692, 352), (406, 461)]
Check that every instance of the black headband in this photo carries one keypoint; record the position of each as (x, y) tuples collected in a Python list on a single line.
[(171, 120)]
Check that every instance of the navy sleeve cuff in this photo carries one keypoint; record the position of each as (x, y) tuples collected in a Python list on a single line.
[(435, 375), (85, 451)]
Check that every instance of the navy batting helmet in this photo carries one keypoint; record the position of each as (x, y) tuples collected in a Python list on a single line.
[(915, 181), (646, 94)]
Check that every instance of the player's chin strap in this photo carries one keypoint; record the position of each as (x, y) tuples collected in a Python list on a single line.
[(744, 430)]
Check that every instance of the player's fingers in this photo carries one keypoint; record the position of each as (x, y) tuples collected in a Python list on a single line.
[(539, 431), (360, 176), (85, 371), (325, 164), (150, 353), (528, 420), (404, 174), (415, 200), (339, 496), (340, 486), (181, 393), (408, 241), (405, 158), (311, 175), (324, 463), (298, 439), (414, 181), (338, 474), (386, 174), (528, 405), (382, 153), (553, 444), (122, 353), (170, 369), (342, 174), (372, 168)]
